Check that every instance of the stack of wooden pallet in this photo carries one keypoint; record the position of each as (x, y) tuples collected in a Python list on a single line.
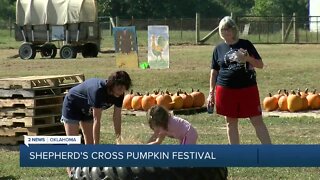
[(32, 105)]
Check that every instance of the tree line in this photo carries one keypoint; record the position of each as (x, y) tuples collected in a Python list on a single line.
[(186, 8)]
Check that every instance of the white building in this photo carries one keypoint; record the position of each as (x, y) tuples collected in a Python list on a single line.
[(314, 10)]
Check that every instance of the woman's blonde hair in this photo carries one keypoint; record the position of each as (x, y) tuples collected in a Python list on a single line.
[(228, 23)]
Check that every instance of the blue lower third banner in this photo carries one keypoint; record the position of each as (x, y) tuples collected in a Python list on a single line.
[(170, 155)]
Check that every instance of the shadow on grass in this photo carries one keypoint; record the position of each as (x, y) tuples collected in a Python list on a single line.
[(9, 148), (7, 178)]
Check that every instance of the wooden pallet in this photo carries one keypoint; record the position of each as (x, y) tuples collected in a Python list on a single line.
[(31, 93), (30, 121), (48, 130), (174, 112), (31, 103), (36, 82), (190, 111), (311, 113), (25, 112), (12, 140)]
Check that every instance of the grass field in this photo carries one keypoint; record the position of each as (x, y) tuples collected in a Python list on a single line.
[(286, 66)]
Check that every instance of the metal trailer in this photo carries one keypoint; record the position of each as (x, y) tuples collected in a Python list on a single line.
[(41, 23)]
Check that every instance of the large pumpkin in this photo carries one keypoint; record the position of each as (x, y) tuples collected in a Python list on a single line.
[(155, 94), (305, 93), (278, 95), (304, 101), (187, 100), (136, 102), (127, 100), (198, 98), (177, 101), (164, 100), (270, 103), (313, 100), (294, 102), (147, 102), (282, 103)]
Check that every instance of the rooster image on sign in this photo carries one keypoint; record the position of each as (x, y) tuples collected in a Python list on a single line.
[(126, 48), (158, 47)]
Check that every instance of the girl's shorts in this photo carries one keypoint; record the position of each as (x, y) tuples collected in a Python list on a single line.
[(191, 137), (71, 121)]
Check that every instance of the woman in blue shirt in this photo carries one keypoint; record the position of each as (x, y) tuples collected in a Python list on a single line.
[(233, 86), (83, 105)]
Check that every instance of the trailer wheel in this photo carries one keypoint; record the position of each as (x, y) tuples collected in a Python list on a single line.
[(89, 50), (68, 52), (48, 50), (27, 51)]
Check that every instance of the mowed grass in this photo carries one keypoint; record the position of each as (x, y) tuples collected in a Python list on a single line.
[(286, 66)]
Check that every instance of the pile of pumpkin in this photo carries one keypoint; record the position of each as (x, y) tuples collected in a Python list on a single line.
[(293, 102), (179, 100)]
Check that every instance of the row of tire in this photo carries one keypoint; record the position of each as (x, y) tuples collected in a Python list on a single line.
[(147, 173), (49, 50)]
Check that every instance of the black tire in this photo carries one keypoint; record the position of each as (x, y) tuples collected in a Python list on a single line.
[(89, 50), (142, 173), (27, 51), (68, 52), (48, 50)]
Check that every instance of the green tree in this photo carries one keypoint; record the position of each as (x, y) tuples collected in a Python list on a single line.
[(277, 7), (7, 9), (267, 7), (104, 7), (237, 7), (160, 9)]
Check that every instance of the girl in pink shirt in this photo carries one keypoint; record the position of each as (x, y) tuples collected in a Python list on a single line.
[(163, 124)]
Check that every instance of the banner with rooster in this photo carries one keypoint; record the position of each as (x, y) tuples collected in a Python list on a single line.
[(126, 47), (158, 47)]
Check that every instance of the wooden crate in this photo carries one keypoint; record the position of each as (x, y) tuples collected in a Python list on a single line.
[(48, 130), (29, 121), (12, 140), (174, 112), (31, 103), (189, 111), (51, 109), (31, 93), (38, 82)]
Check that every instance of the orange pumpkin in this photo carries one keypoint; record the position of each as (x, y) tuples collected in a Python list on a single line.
[(278, 95), (270, 103), (155, 94), (313, 100), (164, 100), (282, 103), (127, 100), (177, 101), (187, 100), (305, 93), (304, 101), (147, 102), (294, 102), (198, 98), (136, 102)]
